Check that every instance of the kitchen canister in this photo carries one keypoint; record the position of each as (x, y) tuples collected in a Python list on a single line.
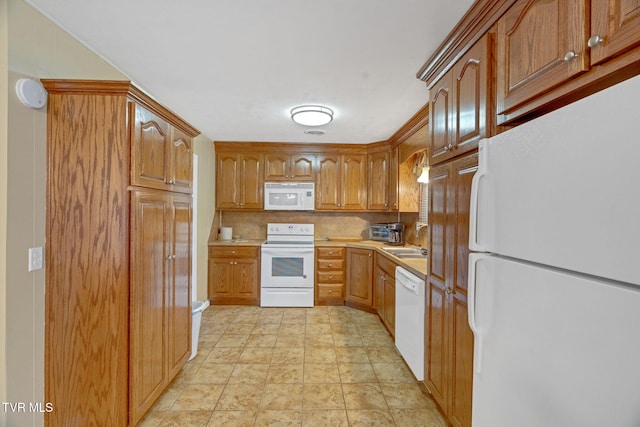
[(226, 233)]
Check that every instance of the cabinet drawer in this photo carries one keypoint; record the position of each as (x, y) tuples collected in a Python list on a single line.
[(330, 291), (330, 264), (234, 251), (330, 277), (331, 252), (387, 265)]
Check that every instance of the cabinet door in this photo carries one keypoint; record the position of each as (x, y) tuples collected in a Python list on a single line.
[(390, 303), (220, 278), (378, 194), (471, 88), (150, 136), (394, 179), (148, 368), (181, 171), (227, 181), (436, 339), (276, 167), (302, 168), (251, 182), (178, 302), (441, 107), (327, 182), (460, 335), (246, 278), (353, 182), (617, 23), (541, 44), (360, 277)]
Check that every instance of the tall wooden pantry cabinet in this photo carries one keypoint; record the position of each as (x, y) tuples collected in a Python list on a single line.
[(118, 251)]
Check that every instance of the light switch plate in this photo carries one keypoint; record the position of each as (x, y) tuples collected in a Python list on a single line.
[(35, 259)]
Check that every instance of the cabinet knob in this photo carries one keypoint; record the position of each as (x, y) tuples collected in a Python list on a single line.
[(570, 56), (330, 291), (369, 255), (330, 265), (448, 291), (595, 40), (331, 276)]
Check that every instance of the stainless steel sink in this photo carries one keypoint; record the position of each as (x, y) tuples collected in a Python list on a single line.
[(406, 252)]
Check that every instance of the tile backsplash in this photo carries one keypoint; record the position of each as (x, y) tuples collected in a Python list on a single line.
[(253, 225)]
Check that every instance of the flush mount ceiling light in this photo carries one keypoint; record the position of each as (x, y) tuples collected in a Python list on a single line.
[(311, 115)]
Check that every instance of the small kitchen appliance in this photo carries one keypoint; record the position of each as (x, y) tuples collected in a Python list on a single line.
[(287, 266), (379, 232), (289, 196), (396, 233)]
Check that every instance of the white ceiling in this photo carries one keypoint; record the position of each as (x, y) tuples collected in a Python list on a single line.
[(234, 68)]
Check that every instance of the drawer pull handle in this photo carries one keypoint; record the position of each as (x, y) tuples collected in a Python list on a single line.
[(570, 56), (595, 40)]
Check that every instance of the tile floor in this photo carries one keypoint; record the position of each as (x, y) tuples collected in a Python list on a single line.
[(321, 366)]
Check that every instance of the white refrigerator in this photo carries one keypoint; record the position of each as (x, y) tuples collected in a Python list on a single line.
[(554, 273)]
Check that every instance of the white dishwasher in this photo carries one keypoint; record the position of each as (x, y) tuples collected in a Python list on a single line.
[(410, 320)]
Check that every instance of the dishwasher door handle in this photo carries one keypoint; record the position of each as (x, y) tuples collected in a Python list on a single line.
[(410, 286)]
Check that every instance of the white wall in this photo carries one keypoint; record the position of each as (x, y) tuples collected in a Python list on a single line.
[(34, 47)]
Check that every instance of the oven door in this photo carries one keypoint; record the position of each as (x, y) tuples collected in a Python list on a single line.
[(287, 267)]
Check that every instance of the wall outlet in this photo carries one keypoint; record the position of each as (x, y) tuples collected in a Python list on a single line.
[(35, 259)]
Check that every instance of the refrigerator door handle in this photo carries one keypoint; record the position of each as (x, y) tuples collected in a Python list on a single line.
[(474, 245), (474, 258)]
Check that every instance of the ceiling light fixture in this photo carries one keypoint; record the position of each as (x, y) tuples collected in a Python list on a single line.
[(311, 115)]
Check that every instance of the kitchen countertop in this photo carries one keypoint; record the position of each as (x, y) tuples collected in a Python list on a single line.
[(417, 266)]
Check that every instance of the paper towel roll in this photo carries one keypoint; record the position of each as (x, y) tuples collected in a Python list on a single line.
[(226, 233)]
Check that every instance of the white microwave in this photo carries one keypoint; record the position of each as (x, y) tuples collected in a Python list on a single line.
[(289, 196)]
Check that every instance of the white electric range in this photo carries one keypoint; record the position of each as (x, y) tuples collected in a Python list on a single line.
[(287, 266)]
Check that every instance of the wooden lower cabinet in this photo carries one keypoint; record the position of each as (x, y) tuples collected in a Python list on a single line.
[(329, 276), (449, 340), (385, 291), (360, 278), (160, 334), (234, 275)]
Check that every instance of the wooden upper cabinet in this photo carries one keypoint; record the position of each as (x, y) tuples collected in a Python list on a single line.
[(541, 44), (379, 178), (181, 161), (289, 167), (460, 110), (239, 181), (341, 182), (615, 28), (162, 154)]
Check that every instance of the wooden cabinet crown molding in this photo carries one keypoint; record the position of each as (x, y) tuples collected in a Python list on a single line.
[(291, 148), (118, 87), (473, 25)]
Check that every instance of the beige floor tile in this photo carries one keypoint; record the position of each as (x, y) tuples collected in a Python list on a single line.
[(320, 340), (393, 373), (383, 355), (249, 374), (321, 373), (224, 355), (318, 329), (284, 355), (292, 329), (270, 318), (213, 373), (232, 340), (256, 355), (344, 328), (406, 396), (283, 374), (290, 341), (240, 397), (258, 340), (347, 340), (266, 329), (185, 419), (208, 341), (364, 396), (418, 418), (294, 318), (370, 418), (239, 329), (322, 396), (282, 396), (198, 397), (376, 340), (232, 419), (356, 373), (325, 418), (278, 418), (324, 354), (352, 355), (169, 397), (246, 318)]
